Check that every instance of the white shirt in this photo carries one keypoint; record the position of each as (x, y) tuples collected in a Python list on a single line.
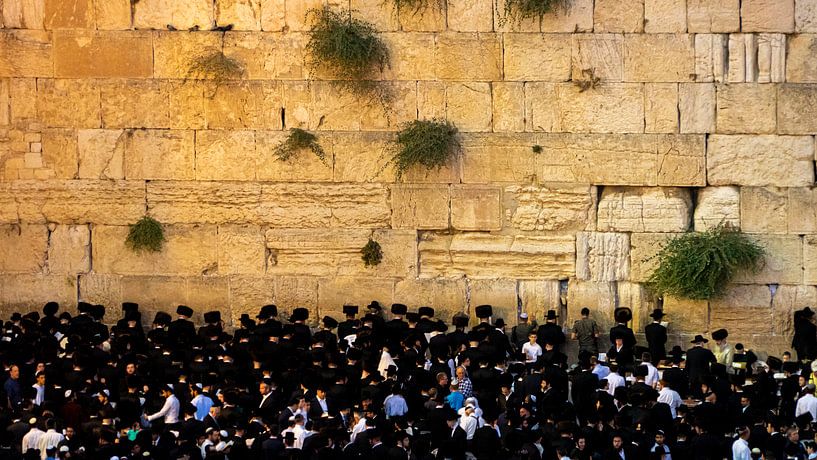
[(652, 375), (49, 439), (670, 397), (38, 400), (667, 455), (299, 433), (170, 411), (31, 440), (614, 381), (469, 424), (740, 450), (532, 352), (807, 403)]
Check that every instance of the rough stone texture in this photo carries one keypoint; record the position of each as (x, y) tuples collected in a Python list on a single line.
[(743, 311), (661, 108), (810, 259), (686, 316), (785, 301), (25, 53), (747, 108), (602, 256), (604, 53), (764, 209), (157, 14), (476, 208), (767, 15), (241, 250), (500, 293), (69, 249), (643, 248), (644, 209), (160, 154), (696, 104), (537, 296), (783, 263), (715, 206), (560, 207), (420, 206), (665, 16), (23, 248), (614, 16), (800, 67), (642, 52), (716, 16), (760, 160), (796, 113), (805, 16), (103, 54), (598, 296), (549, 54)]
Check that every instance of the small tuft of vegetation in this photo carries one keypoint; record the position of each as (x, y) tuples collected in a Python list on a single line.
[(589, 80), (699, 265), (417, 6), (517, 11), (537, 149), (430, 143), (297, 141), (372, 253), (216, 67), (146, 235), (348, 48)]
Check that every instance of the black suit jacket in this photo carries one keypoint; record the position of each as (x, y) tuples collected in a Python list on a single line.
[(656, 335), (454, 446), (698, 361), (621, 330), (486, 443)]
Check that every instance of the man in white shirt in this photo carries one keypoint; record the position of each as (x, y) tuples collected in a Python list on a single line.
[(740, 448), (670, 397), (469, 422), (531, 349), (50, 438), (170, 410), (39, 397), (614, 380), (807, 403), (31, 440), (652, 372)]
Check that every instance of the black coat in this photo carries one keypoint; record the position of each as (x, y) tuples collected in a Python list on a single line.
[(550, 332), (621, 330), (698, 362), (656, 335), (805, 339), (486, 443), (454, 445)]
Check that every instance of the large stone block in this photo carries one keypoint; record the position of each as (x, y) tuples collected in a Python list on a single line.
[(59, 152), (103, 290), (785, 161), (187, 250), (69, 249), (68, 103), (802, 210), (747, 108), (598, 296), (785, 301), (474, 16), (81, 54), (316, 205), (160, 154), (337, 252), (382, 15), (489, 256), (476, 207), (508, 104), (113, 15), (158, 14), (249, 293), (767, 15), (810, 259), (537, 296), (783, 263), (532, 57), (445, 296), (805, 16), (602, 53), (304, 166), (711, 57), (241, 250), (715, 206), (643, 248), (270, 56), (468, 106), (613, 108), (499, 293), (744, 310), (361, 157), (797, 109), (412, 56), (771, 58), (764, 209), (665, 16), (644, 209), (696, 104), (431, 19), (74, 201), (225, 155), (661, 108), (175, 53), (244, 105), (550, 207), (643, 51), (419, 206), (25, 53), (801, 67), (22, 291), (242, 14), (335, 292), (687, 316), (602, 256), (454, 58), (716, 16), (615, 16), (204, 202), (102, 153), (119, 97), (23, 248), (69, 14)]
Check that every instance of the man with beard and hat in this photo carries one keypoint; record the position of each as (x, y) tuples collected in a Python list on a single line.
[(623, 315), (722, 350), (656, 335), (698, 361), (550, 332), (805, 335)]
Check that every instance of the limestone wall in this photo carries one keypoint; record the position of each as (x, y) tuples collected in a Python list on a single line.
[(706, 112)]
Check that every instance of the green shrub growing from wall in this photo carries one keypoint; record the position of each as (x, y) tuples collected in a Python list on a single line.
[(298, 140), (372, 253), (517, 11), (699, 265), (430, 143), (417, 6), (146, 235)]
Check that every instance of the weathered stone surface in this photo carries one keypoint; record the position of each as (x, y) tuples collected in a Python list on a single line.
[(711, 57), (188, 250), (25, 53), (446, 296), (613, 108), (747, 108), (596, 159), (810, 259), (242, 14), (342, 290), (160, 154), (665, 16), (801, 67), (536, 296), (204, 202), (119, 97), (111, 203), (382, 15), (23, 248), (468, 106), (113, 15), (69, 249), (273, 16), (745, 310), (661, 108), (760, 160), (508, 104), (305, 166), (797, 109), (643, 248), (642, 52), (696, 104), (598, 296), (715, 206), (411, 58), (764, 209), (337, 252), (560, 207), (603, 53), (771, 58), (454, 58), (644, 209), (423, 207), (783, 263), (241, 250), (767, 15), (270, 56), (244, 105), (535, 57), (474, 16), (248, 293), (805, 16), (157, 14), (686, 316), (802, 210), (101, 153), (174, 53), (602, 256), (59, 152), (102, 289), (225, 155), (716, 16), (476, 208), (499, 293), (68, 103), (614, 16), (22, 291), (488, 256), (431, 19), (785, 301), (80, 54)]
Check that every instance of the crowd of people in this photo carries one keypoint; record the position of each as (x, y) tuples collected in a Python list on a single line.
[(398, 385)]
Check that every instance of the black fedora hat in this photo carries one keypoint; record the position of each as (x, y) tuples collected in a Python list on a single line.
[(398, 309), (699, 339), (484, 311), (720, 334), (657, 313), (551, 314), (623, 314)]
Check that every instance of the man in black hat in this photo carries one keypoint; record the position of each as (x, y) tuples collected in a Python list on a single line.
[(301, 334), (396, 328), (805, 335), (698, 361), (484, 313), (623, 315), (722, 350), (326, 336), (350, 326), (550, 332), (656, 335), (182, 332)]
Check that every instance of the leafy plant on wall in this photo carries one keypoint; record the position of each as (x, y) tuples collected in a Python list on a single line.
[(372, 253), (297, 141), (417, 6), (517, 11), (215, 67), (146, 235), (699, 265), (429, 143)]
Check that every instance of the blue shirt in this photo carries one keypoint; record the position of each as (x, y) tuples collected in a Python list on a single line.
[(203, 404), (13, 392), (455, 400), (395, 406)]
